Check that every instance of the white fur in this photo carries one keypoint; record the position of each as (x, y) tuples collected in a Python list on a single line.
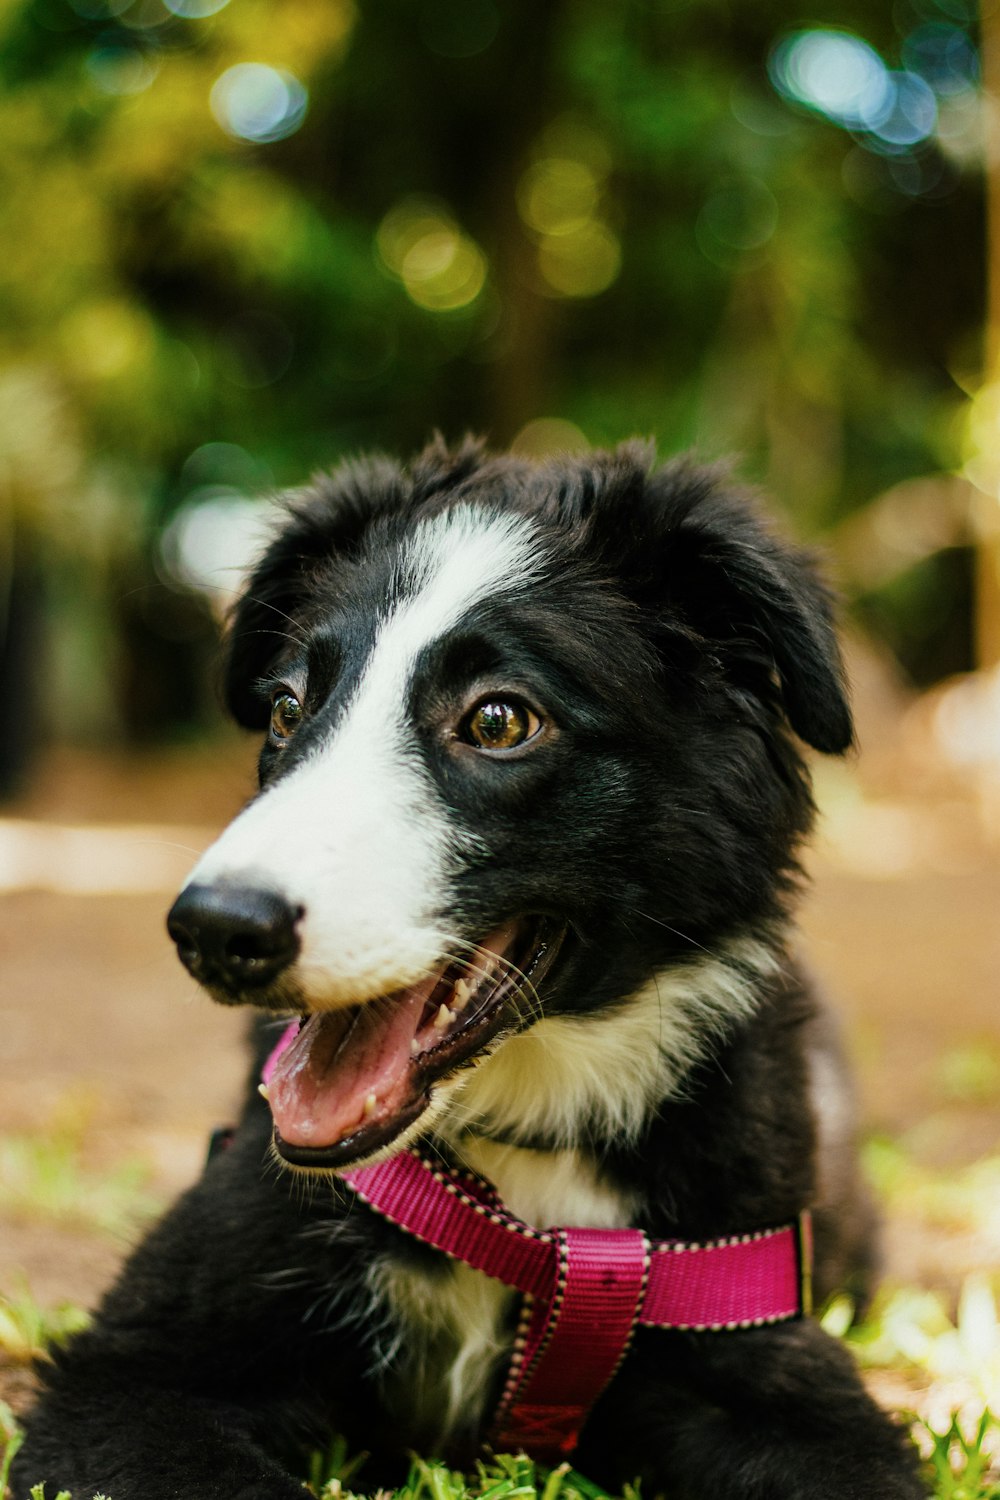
[(607, 1071), (545, 1188), (357, 836), (451, 1341)]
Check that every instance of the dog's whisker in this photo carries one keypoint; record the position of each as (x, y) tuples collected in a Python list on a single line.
[(281, 634), (647, 917), (267, 604), (525, 990)]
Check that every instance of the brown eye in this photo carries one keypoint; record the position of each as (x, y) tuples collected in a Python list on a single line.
[(495, 725), (286, 715)]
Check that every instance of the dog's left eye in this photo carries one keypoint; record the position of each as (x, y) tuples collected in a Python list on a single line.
[(286, 715), (496, 725)]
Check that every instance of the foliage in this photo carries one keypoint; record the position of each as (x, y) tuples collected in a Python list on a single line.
[(46, 1177), (958, 1466), (910, 1328), (963, 1201), (244, 238), (27, 1328), (505, 1477), (10, 1441)]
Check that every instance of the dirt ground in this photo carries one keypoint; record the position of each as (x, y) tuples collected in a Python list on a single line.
[(99, 1025)]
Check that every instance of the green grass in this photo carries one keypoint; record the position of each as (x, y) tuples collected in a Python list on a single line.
[(965, 1201), (911, 1330), (46, 1179), (961, 1460), (959, 1464), (27, 1329), (508, 1476)]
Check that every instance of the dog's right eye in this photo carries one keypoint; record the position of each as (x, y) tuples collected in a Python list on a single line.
[(496, 725), (286, 715)]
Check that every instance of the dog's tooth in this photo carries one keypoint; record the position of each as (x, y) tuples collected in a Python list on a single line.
[(264, 1091), (415, 1048), (463, 990), (443, 1018), (371, 1104)]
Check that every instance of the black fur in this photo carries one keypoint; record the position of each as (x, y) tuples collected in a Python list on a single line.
[(677, 643)]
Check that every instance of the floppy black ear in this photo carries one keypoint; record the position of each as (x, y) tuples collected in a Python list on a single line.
[(736, 583)]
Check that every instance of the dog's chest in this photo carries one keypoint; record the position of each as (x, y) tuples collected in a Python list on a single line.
[(455, 1327)]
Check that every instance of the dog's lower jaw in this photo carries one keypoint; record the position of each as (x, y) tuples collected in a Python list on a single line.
[(423, 1126)]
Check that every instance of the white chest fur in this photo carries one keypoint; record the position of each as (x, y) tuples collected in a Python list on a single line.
[(454, 1327)]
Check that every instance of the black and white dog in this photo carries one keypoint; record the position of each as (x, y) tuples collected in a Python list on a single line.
[(523, 856)]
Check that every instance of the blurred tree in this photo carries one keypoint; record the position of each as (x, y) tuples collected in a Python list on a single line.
[(244, 238), (987, 576)]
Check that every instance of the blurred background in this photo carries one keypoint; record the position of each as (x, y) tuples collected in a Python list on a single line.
[(242, 239)]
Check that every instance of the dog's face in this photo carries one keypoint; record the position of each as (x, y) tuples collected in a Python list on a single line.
[(525, 746)]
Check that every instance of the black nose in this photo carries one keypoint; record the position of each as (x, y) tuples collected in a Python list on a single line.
[(234, 937)]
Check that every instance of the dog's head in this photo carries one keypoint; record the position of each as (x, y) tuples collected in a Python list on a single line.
[(526, 744)]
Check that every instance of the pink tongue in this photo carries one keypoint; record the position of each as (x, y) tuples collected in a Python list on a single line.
[(324, 1082)]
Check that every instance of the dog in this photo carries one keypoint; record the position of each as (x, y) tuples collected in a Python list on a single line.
[(521, 870)]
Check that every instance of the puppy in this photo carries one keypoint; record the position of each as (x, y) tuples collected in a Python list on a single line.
[(522, 864)]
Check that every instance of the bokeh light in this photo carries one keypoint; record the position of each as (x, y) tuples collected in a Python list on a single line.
[(145, 15), (549, 435), (227, 464), (255, 102), (559, 198), (214, 539), (195, 10), (580, 263), (121, 69), (842, 77), (440, 266), (833, 72), (107, 337), (907, 113), (558, 195)]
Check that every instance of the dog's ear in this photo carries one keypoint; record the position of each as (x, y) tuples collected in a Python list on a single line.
[(761, 600)]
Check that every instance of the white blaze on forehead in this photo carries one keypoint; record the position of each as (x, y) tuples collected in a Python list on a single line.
[(357, 835)]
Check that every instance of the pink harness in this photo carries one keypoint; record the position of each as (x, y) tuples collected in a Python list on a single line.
[(584, 1291)]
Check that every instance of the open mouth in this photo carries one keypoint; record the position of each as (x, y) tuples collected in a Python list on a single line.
[(353, 1080)]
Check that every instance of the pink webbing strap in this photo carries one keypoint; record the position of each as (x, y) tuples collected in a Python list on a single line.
[(451, 1213), (570, 1348), (585, 1290)]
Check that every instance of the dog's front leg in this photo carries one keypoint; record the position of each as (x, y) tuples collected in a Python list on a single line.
[(757, 1414), (128, 1441), (219, 1352)]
